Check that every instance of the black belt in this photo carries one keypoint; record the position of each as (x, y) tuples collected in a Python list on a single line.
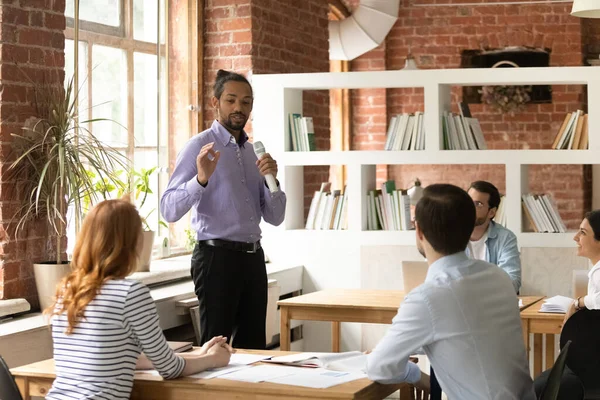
[(236, 246)]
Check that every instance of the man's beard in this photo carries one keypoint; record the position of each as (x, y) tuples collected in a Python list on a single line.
[(480, 221), (234, 126), (421, 251)]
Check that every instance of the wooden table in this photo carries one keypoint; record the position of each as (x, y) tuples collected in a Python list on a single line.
[(539, 323), (36, 379), (347, 305), (337, 306)]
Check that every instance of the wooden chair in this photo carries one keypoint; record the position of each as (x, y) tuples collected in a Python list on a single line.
[(413, 274), (580, 282), (583, 331), (8, 386)]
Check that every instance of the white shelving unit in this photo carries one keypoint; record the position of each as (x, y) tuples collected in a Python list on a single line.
[(276, 96)]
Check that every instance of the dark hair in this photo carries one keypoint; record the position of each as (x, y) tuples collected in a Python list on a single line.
[(446, 216), (593, 218), (486, 187), (226, 76)]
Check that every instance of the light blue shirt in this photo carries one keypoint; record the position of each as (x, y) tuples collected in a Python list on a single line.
[(502, 249), (466, 317), (231, 205)]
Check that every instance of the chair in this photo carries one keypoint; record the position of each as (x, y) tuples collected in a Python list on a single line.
[(580, 282), (8, 386), (413, 274), (583, 331), (550, 391)]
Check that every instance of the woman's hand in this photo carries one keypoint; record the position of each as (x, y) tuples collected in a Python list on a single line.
[(206, 346)]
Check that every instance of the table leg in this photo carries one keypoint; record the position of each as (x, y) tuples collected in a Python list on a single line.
[(549, 350), (23, 385), (335, 336), (284, 329), (537, 354), (525, 328)]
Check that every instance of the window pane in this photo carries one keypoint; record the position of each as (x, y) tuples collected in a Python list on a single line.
[(109, 95), (106, 12), (148, 159), (145, 99), (83, 74), (145, 20)]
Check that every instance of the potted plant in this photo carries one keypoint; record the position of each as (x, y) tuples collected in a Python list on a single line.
[(54, 155), (133, 185)]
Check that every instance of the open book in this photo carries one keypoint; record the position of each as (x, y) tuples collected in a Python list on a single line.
[(557, 304), (351, 361)]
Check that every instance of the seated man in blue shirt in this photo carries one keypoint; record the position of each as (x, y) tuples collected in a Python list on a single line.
[(490, 241), (465, 315)]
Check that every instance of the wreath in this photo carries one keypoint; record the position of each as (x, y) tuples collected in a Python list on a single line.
[(506, 98)]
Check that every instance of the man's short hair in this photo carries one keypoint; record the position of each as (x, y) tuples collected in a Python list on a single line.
[(446, 216), (486, 187)]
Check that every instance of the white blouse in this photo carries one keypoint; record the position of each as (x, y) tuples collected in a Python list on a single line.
[(592, 299)]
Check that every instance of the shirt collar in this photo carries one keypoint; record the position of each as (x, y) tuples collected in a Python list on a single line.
[(224, 136), (439, 266)]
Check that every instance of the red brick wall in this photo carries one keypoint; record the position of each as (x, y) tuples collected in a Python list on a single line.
[(266, 37), (436, 36), (31, 42)]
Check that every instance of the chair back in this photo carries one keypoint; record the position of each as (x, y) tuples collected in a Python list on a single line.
[(8, 386), (583, 331), (413, 274), (550, 391), (580, 282)]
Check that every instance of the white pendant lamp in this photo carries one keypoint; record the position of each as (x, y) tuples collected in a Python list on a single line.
[(586, 8)]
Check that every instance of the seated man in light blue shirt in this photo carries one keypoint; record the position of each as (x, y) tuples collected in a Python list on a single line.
[(490, 241), (465, 315)]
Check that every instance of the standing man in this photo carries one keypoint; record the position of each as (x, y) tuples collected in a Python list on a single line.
[(490, 241), (465, 315), (219, 178)]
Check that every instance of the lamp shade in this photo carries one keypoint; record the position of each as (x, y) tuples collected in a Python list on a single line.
[(586, 8)]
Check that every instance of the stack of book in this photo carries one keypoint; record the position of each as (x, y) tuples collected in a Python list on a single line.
[(462, 132), (406, 132), (302, 133), (500, 217), (573, 133), (388, 209), (328, 209), (542, 214)]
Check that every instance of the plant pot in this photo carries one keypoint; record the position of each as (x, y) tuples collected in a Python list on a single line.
[(47, 276), (146, 253)]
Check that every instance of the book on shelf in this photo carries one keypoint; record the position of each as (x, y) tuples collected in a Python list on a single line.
[(328, 209), (406, 132), (500, 217), (557, 304), (462, 131), (302, 133), (573, 132), (388, 209), (542, 214)]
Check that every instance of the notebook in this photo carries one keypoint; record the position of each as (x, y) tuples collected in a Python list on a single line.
[(557, 304), (181, 347)]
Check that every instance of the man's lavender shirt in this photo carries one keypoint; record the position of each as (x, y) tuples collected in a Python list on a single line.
[(232, 203)]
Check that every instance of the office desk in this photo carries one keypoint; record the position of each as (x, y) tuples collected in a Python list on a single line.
[(538, 323), (36, 379)]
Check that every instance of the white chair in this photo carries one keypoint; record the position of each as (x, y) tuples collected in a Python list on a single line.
[(413, 274), (580, 282)]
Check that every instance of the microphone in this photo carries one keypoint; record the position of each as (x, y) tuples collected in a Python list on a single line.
[(259, 150)]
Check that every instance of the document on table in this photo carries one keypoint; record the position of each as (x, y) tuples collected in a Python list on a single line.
[(557, 304), (352, 361), (261, 373), (236, 363)]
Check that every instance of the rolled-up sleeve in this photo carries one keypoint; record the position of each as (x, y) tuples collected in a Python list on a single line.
[(510, 261), (273, 206), (411, 329)]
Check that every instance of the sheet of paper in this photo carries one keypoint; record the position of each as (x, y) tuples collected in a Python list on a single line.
[(147, 372), (260, 373), (247, 359), (317, 378), (520, 302), (218, 372), (357, 363)]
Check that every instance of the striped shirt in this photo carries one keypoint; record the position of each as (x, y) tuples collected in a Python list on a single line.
[(97, 361)]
